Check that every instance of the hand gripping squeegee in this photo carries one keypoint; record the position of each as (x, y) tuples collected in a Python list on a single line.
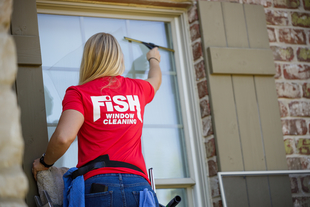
[(148, 44)]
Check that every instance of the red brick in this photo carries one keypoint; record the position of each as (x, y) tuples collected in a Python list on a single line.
[(301, 19), (299, 108), (202, 89), (192, 14), (215, 188), (305, 184), (282, 53), (278, 71), (218, 204), (232, 1), (195, 32), (303, 54), (294, 185), (212, 168), (271, 34), (283, 109), (306, 4), (296, 72), (286, 4), (265, 3), (204, 108), (200, 70), (210, 148), (305, 163), (197, 51), (294, 127), (288, 90), (301, 201), (293, 163), (292, 36), (306, 90), (303, 146), (289, 145), (207, 127), (274, 17)]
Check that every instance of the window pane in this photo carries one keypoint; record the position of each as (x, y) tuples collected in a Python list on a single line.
[(162, 150), (144, 31), (60, 40), (55, 84), (163, 109), (165, 195)]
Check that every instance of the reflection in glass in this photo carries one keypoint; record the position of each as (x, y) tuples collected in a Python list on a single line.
[(165, 195)]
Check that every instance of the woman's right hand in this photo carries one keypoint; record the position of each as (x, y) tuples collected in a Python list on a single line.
[(154, 76), (153, 53)]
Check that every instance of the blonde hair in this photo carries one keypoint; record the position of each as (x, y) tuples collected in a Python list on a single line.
[(102, 57)]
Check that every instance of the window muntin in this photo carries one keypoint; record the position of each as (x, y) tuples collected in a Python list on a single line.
[(62, 39)]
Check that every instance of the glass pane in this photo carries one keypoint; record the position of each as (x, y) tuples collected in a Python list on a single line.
[(70, 158), (144, 31), (55, 84), (165, 195), (163, 109), (60, 40), (162, 150)]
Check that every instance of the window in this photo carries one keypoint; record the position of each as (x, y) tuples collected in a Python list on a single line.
[(166, 137)]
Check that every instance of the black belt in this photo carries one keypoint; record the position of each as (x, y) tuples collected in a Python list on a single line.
[(102, 161)]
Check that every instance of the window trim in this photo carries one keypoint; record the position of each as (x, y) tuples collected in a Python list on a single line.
[(195, 151)]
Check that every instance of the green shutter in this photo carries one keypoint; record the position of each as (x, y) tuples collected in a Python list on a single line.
[(244, 103)]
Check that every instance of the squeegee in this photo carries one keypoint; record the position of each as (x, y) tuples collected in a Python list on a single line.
[(148, 44)]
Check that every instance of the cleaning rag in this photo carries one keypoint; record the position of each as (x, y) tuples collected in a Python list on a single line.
[(146, 198), (74, 190)]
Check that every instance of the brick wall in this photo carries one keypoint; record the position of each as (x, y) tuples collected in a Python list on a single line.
[(202, 88), (288, 26), (13, 182)]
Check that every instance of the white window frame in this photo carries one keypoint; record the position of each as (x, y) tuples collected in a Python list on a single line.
[(198, 190)]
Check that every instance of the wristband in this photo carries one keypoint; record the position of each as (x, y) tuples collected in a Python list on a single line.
[(43, 163), (153, 58)]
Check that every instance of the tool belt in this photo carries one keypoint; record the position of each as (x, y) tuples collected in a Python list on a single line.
[(100, 162)]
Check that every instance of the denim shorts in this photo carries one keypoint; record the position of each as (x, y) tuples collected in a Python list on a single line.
[(123, 190)]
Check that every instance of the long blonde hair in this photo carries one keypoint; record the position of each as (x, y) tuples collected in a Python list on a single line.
[(102, 57)]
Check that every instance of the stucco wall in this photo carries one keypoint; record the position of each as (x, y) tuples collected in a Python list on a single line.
[(288, 23), (13, 183)]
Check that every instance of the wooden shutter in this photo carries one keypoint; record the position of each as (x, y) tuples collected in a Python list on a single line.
[(29, 86), (244, 102)]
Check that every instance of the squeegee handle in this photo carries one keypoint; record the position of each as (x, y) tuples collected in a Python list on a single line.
[(175, 201), (150, 45)]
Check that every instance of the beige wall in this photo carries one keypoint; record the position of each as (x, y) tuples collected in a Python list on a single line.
[(288, 24), (13, 183)]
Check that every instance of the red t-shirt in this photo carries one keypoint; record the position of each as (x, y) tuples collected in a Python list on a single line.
[(113, 120)]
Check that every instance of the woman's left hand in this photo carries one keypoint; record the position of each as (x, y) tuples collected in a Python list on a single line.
[(37, 167)]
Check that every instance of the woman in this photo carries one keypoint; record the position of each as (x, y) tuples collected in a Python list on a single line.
[(106, 112)]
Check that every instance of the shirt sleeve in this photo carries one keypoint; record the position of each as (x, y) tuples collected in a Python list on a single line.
[(73, 100), (148, 90)]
